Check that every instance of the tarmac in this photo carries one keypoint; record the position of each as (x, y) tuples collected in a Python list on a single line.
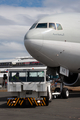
[(58, 109)]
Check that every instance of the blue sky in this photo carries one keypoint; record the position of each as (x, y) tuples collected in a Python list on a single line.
[(23, 3), (17, 16)]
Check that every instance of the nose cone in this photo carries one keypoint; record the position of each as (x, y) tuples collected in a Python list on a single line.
[(33, 41)]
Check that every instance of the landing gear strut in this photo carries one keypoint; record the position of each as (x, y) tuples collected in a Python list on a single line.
[(64, 91)]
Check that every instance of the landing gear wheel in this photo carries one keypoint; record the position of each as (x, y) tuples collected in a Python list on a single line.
[(57, 90), (65, 93)]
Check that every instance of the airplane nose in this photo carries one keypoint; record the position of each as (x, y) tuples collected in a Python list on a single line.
[(33, 42)]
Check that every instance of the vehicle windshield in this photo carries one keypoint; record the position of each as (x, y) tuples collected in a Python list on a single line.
[(27, 76), (34, 76)]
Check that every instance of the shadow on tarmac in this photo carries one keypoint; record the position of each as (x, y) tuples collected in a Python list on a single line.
[(3, 99), (74, 95), (5, 106)]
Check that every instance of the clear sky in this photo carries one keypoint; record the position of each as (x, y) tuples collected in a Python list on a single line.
[(23, 3), (16, 17)]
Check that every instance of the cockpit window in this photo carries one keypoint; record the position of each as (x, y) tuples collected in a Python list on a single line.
[(52, 25), (33, 26), (42, 25), (59, 27)]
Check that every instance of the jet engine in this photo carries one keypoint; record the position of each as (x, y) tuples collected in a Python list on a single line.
[(72, 80)]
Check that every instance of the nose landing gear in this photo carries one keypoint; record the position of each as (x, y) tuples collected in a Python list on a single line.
[(61, 92)]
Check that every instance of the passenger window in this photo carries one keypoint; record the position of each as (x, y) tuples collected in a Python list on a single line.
[(52, 25), (59, 27), (42, 25), (33, 26)]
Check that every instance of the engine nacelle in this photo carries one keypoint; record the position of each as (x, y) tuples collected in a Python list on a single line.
[(72, 80)]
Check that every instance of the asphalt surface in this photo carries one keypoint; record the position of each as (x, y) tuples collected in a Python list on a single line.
[(58, 109)]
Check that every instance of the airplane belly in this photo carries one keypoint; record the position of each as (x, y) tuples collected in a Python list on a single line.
[(55, 53), (66, 54)]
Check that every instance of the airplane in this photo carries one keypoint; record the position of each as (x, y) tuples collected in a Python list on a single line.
[(55, 41)]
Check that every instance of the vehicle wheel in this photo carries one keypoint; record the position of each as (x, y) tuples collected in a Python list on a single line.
[(65, 93)]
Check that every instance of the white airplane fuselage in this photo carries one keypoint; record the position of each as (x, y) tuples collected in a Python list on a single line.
[(55, 47)]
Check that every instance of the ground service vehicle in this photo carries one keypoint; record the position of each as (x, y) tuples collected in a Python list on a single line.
[(29, 87)]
